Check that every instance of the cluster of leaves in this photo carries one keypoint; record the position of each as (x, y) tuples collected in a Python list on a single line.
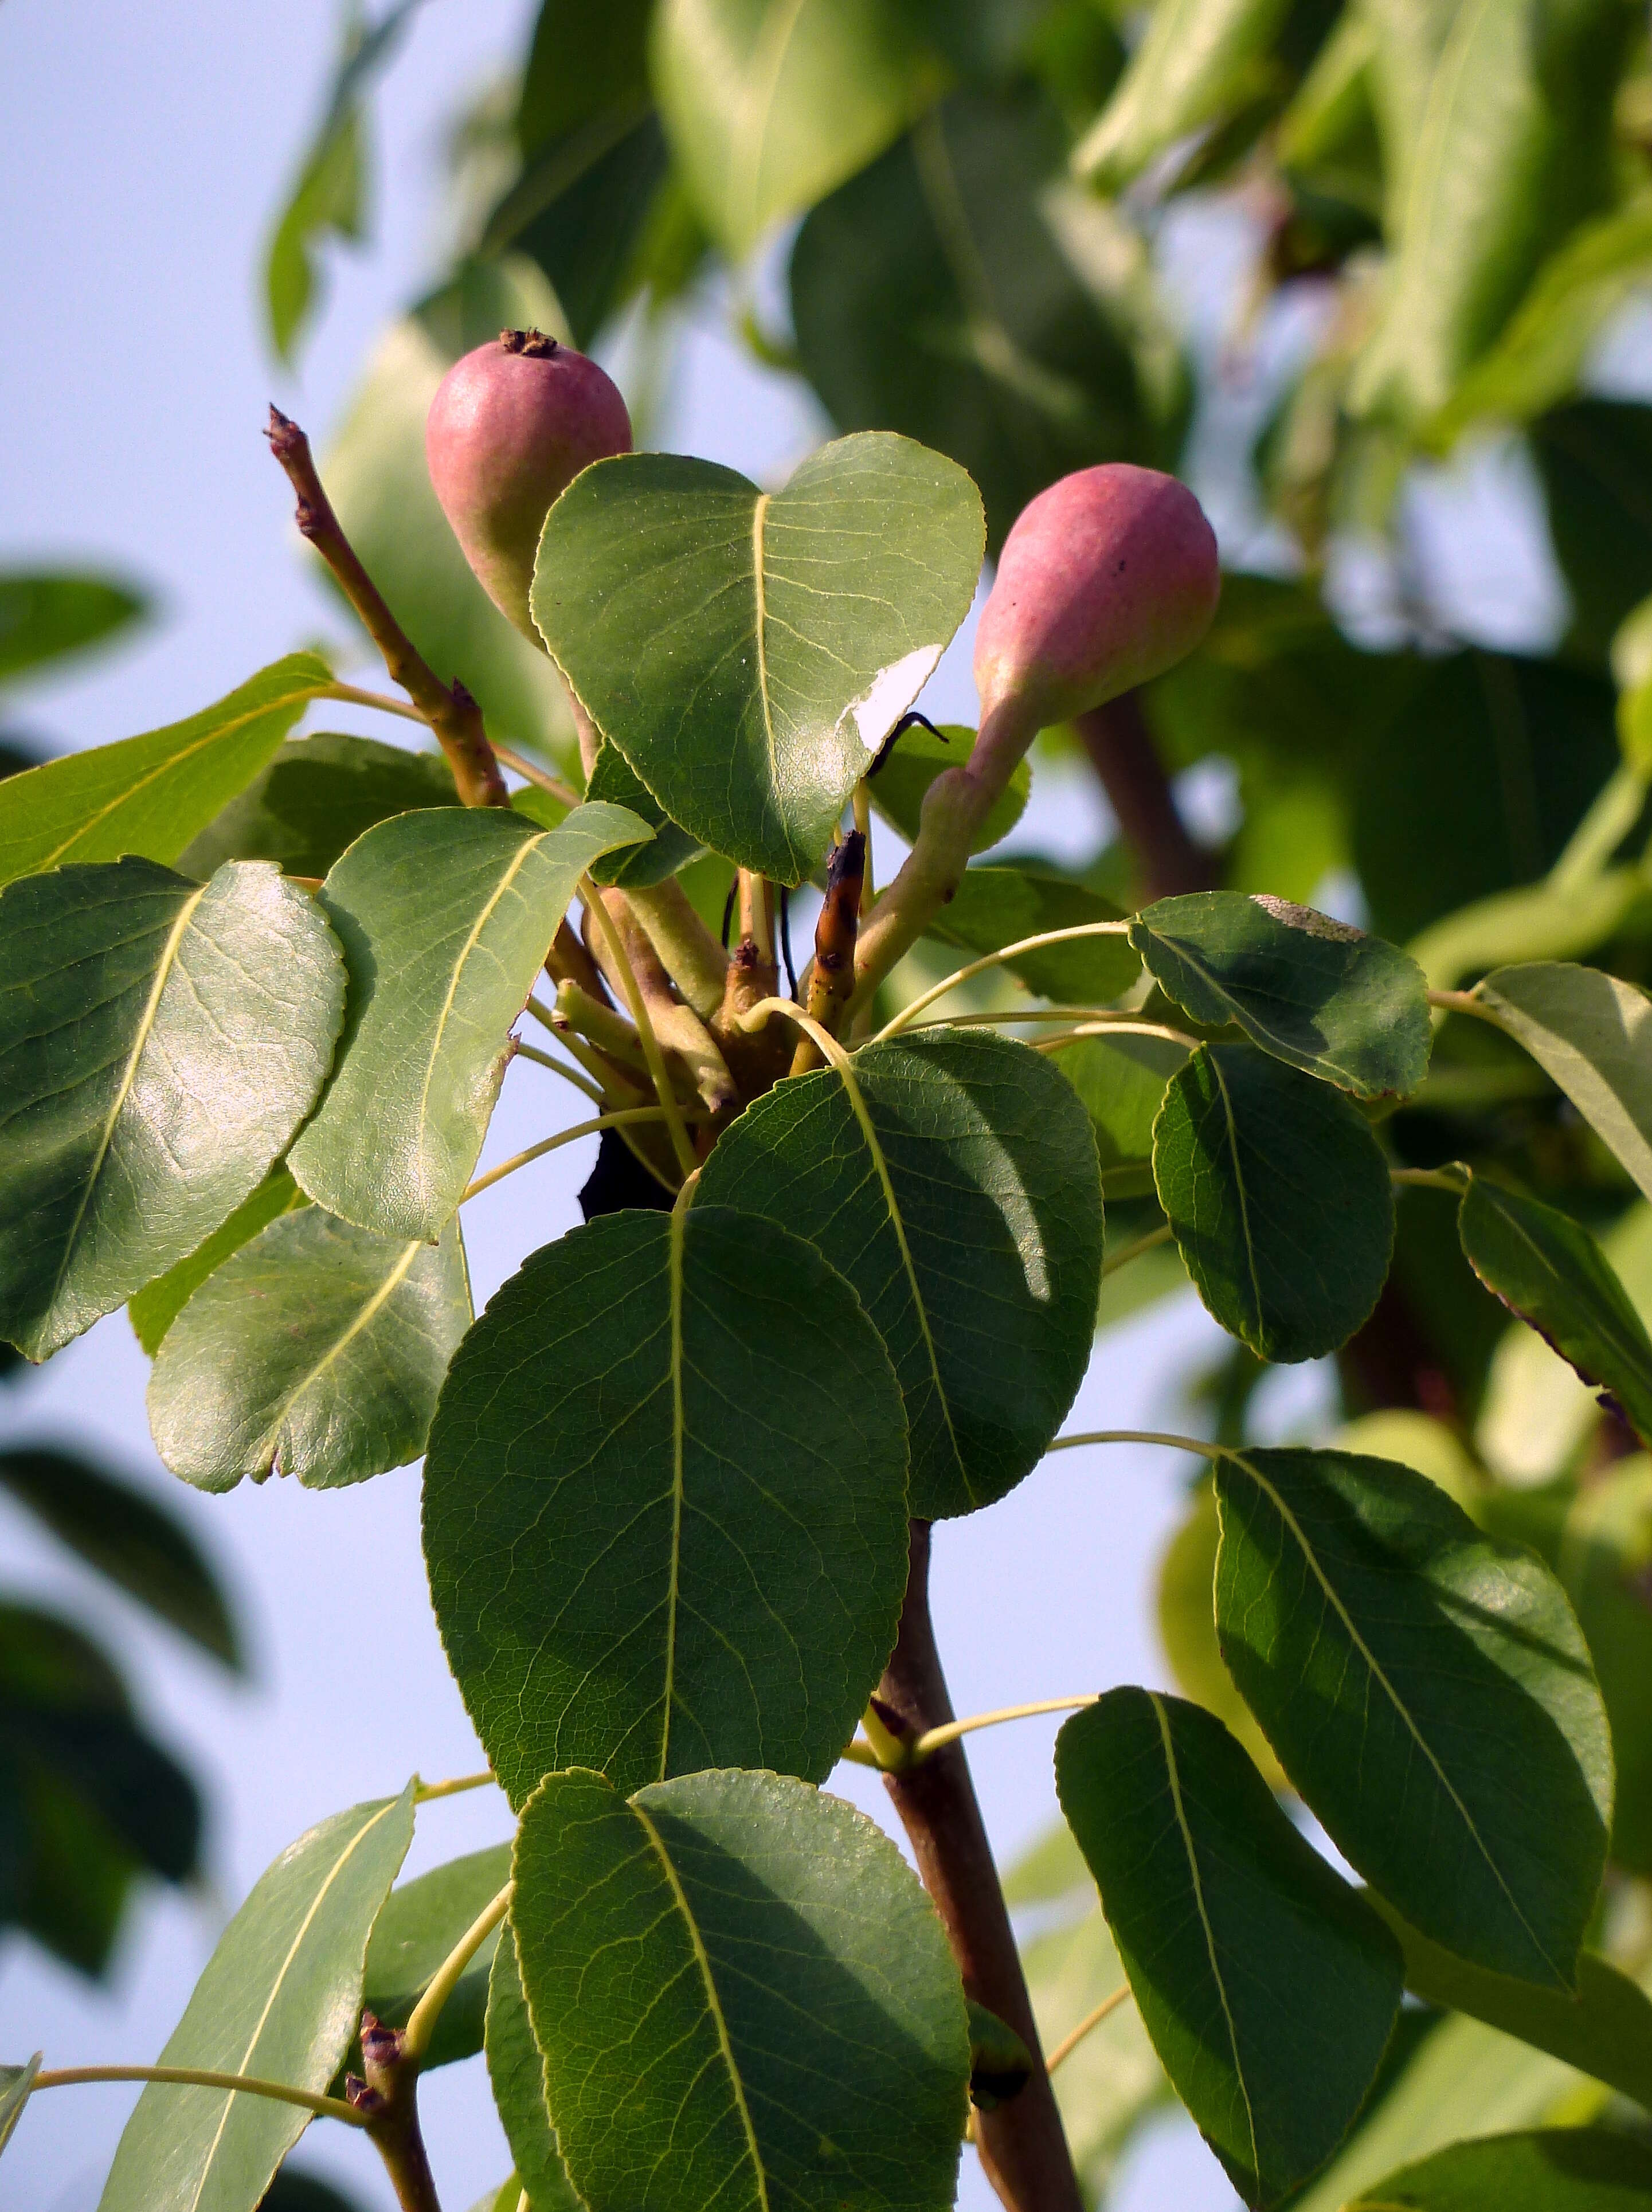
[(668, 1470)]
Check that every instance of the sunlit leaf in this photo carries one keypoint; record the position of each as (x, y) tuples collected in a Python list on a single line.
[(422, 1922), (316, 796), (279, 1998), (160, 1042), (616, 782), (319, 1349), (1549, 2170), (152, 1310), (1195, 61), (516, 2074), (1591, 1034), (747, 652), (16, 2083)]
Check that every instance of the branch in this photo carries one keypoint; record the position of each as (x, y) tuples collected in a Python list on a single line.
[(453, 714), (831, 975), (1123, 754), (1021, 2145), (388, 2101)]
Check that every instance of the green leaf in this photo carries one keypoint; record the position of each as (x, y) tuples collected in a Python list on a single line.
[(45, 614), (1513, 151), (747, 651), (516, 2072), (1604, 2029), (316, 796), (1198, 60), (1593, 456), (995, 907), (446, 918), (1543, 920), (615, 782), (160, 1042), (1121, 1081), (144, 1550), (953, 1142), (1592, 1036), (375, 474), (1553, 1275), (1549, 2170), (422, 1922), (327, 196), (318, 1348), (16, 2083), (151, 795), (1540, 357), (279, 1999), (158, 1304), (741, 1995), (917, 757), (1244, 1152), (1341, 1006), (768, 104), (665, 1504), (963, 291), (1186, 1629), (1268, 1985), (1428, 1691)]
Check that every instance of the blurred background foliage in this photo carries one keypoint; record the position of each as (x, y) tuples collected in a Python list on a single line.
[(958, 219)]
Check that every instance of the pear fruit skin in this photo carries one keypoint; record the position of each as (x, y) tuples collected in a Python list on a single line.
[(1108, 577), (512, 424)]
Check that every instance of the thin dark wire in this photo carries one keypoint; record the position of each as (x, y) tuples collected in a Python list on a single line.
[(728, 908), (786, 938)]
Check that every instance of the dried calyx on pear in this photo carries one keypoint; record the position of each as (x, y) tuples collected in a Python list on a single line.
[(511, 426), (1108, 579)]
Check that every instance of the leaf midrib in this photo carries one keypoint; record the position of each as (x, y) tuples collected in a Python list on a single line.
[(1240, 1190), (386, 1290), (129, 1076), (1175, 1779), (678, 1233), (275, 1987), (713, 2002), (1635, 1352), (1249, 1021), (1296, 1530)]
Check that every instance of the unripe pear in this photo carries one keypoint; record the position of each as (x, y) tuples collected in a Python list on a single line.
[(1107, 578), (510, 428)]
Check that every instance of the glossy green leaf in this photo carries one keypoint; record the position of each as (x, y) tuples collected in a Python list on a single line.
[(1244, 1151), (1186, 1630), (423, 1921), (516, 2074), (446, 918), (151, 795), (1197, 60), (1549, 2170), (160, 1042), (747, 652), (47, 614), (995, 907), (768, 104), (912, 764), (279, 1998), (1513, 148), (665, 1527), (142, 1548), (1604, 2028), (158, 1304), (1268, 1985), (1428, 1691), (963, 291), (375, 474), (316, 796), (743, 1996), (615, 782), (1552, 1274), (318, 1350), (1591, 1034), (16, 2083), (951, 1178), (1121, 1081), (1346, 1007)]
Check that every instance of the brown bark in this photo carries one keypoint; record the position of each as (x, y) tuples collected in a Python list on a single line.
[(1023, 2147), (1123, 754)]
